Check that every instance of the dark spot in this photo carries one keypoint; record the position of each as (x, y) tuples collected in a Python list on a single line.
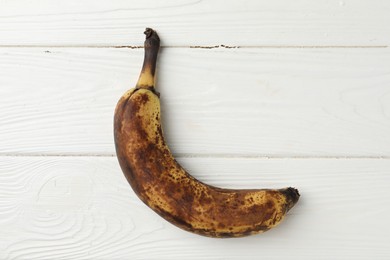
[(247, 232), (268, 215), (234, 205), (204, 199), (254, 209), (270, 204), (187, 198), (221, 225), (144, 99), (261, 228), (226, 234)]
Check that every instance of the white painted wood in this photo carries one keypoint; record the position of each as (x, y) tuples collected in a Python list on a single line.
[(236, 102), (193, 22), (83, 208), (224, 110)]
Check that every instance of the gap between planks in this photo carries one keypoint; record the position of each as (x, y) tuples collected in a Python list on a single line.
[(220, 46), (213, 155)]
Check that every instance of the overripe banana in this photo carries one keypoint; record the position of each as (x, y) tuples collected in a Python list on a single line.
[(162, 184)]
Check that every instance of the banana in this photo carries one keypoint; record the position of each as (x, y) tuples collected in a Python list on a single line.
[(163, 185)]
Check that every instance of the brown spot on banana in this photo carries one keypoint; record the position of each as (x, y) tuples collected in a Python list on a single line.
[(162, 184)]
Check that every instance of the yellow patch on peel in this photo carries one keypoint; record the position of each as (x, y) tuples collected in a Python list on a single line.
[(146, 79)]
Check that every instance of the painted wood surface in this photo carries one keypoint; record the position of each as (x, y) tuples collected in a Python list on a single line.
[(254, 94), (236, 102), (196, 22), (83, 208)]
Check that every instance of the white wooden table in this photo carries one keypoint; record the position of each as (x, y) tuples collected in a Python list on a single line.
[(254, 94)]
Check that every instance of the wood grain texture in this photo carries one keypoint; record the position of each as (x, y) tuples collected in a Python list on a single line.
[(277, 93), (195, 22), (83, 208), (232, 102)]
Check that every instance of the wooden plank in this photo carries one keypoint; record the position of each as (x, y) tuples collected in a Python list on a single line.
[(193, 22), (270, 102), (82, 207)]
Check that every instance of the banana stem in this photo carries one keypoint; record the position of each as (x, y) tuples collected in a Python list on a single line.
[(152, 46)]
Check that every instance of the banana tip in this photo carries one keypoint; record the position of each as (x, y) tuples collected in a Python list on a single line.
[(292, 195)]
